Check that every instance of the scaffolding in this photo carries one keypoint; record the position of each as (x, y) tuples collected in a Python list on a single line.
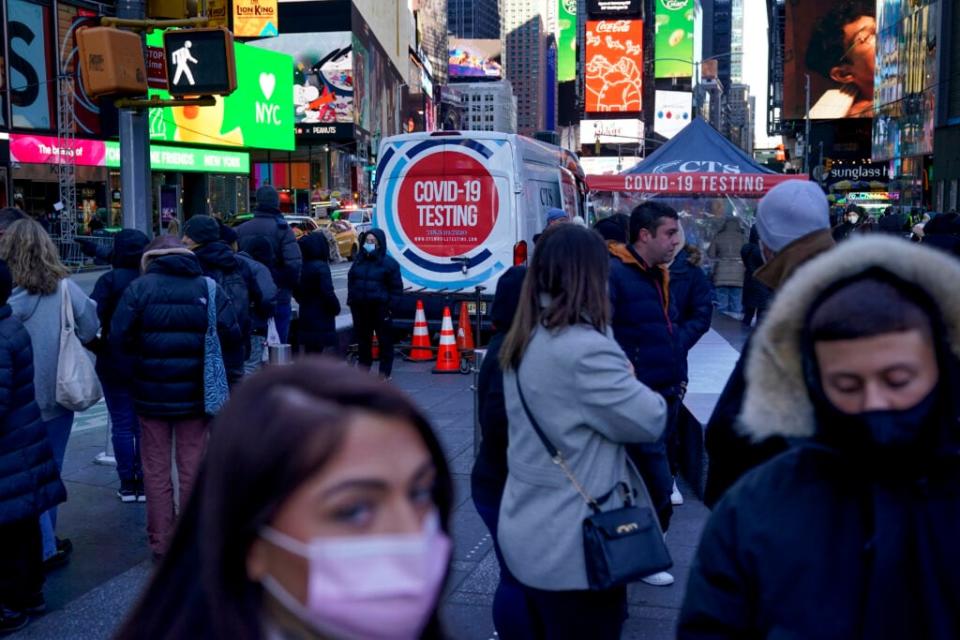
[(65, 158)]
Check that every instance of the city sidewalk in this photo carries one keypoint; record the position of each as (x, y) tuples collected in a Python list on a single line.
[(89, 597)]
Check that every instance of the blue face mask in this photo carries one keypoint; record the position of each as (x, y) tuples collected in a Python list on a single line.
[(369, 247)]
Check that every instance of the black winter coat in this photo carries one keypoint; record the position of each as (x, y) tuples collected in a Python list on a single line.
[(690, 292), (374, 278), (113, 364), (270, 225), (29, 481), (806, 547), (756, 295), (319, 306), (645, 322), (162, 320), (218, 261)]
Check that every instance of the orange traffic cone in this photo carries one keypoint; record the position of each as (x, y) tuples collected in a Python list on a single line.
[(464, 332), (420, 351), (375, 347), (448, 358)]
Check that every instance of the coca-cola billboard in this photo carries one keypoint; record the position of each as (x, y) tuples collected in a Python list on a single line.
[(613, 8), (614, 66)]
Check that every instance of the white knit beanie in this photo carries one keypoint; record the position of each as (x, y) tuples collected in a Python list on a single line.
[(791, 210)]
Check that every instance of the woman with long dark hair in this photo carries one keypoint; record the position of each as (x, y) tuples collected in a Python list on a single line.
[(321, 512), (580, 388)]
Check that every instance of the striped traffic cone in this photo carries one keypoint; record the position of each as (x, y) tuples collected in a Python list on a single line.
[(420, 351), (375, 347), (464, 331), (448, 358)]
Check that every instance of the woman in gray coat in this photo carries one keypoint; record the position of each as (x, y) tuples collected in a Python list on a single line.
[(581, 389)]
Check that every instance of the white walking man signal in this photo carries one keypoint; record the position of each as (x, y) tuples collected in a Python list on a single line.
[(180, 58)]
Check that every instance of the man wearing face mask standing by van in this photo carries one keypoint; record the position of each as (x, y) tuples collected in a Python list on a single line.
[(372, 285)]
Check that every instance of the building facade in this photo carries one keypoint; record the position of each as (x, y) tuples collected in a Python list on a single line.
[(524, 45), (473, 19), (488, 106), (740, 116)]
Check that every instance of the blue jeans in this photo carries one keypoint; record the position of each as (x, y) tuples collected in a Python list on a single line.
[(729, 299), (125, 430), (58, 433), (282, 317)]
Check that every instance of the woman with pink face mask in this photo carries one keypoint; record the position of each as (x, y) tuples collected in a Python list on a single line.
[(320, 512)]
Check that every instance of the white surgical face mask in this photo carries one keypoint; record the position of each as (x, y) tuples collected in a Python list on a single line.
[(367, 587)]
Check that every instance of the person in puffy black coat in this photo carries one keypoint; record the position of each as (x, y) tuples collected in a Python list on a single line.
[(756, 295), (319, 306), (257, 253), (162, 321), (373, 284), (852, 531), (646, 326), (29, 480), (115, 367), (691, 294), (202, 234), (511, 617)]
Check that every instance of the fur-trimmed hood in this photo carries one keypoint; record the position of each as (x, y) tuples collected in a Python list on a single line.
[(777, 401)]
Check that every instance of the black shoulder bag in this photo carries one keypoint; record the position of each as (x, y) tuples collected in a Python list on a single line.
[(620, 546)]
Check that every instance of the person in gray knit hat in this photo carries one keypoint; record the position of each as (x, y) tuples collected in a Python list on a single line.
[(793, 222), (268, 223)]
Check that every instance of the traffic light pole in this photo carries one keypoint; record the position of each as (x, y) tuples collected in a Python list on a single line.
[(136, 198)]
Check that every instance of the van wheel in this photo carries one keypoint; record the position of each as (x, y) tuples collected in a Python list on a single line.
[(353, 253)]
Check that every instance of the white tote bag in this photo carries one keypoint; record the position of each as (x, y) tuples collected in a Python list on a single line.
[(273, 338), (78, 387)]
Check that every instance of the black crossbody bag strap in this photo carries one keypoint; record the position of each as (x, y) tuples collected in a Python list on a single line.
[(555, 454)]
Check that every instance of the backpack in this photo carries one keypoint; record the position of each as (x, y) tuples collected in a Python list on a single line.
[(234, 284)]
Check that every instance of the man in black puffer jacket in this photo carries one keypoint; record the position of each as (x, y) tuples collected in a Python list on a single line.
[(114, 367), (319, 306), (645, 325), (201, 234), (373, 284), (162, 321), (29, 481), (268, 223)]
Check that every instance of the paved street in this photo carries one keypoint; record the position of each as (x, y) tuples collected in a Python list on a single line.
[(89, 597)]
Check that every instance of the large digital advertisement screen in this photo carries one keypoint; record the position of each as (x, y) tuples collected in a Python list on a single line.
[(674, 38), (474, 59), (835, 43), (567, 41), (614, 66)]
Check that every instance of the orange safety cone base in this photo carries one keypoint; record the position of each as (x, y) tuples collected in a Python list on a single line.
[(421, 350), (375, 348), (448, 357), (464, 330)]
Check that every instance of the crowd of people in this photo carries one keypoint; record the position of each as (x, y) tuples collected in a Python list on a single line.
[(149, 323), (316, 502)]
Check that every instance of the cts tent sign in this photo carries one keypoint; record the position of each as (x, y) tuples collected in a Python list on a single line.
[(745, 184), (258, 114)]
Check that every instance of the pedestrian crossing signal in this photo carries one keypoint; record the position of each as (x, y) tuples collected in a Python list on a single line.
[(200, 62)]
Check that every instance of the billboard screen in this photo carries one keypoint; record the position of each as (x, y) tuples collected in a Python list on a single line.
[(614, 66), (32, 73), (834, 42), (258, 114), (613, 8), (674, 38), (673, 112), (567, 41), (254, 18), (474, 59), (619, 131), (322, 79)]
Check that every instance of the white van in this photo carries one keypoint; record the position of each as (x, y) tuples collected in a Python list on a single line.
[(460, 208)]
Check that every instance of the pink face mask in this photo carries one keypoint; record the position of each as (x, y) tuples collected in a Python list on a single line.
[(367, 587)]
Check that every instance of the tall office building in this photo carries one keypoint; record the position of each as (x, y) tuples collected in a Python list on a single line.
[(736, 41), (432, 37), (488, 106), (740, 114), (524, 29), (473, 19)]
